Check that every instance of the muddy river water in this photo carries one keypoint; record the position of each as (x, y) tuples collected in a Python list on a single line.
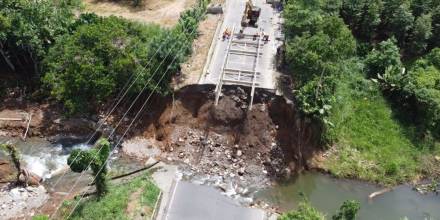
[(324, 192), (327, 194)]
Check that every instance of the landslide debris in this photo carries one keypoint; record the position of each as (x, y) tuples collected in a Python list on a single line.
[(228, 141)]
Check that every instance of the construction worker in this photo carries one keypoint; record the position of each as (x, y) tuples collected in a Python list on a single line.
[(226, 34), (255, 36), (241, 34)]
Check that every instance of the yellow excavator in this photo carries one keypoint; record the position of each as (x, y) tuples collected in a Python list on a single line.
[(251, 14)]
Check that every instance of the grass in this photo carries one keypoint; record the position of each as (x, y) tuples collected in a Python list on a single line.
[(371, 144), (114, 204)]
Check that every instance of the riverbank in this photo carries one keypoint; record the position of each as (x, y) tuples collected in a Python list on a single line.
[(133, 198), (270, 142), (229, 148)]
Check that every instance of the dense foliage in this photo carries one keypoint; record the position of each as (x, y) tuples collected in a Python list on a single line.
[(417, 91), (91, 65), (368, 70), (414, 23), (80, 160), (316, 47), (347, 211), (85, 68), (27, 30)]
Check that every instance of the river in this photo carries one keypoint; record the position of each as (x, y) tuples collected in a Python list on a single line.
[(49, 161), (324, 192), (327, 194)]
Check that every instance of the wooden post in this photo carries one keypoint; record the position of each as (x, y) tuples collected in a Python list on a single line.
[(27, 127), (218, 88)]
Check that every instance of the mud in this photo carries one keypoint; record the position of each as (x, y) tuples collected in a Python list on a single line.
[(228, 141), (47, 120)]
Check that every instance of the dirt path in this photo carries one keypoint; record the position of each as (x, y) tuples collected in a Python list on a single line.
[(192, 69), (163, 12)]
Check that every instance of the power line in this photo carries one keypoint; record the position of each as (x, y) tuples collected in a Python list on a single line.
[(116, 105), (145, 86)]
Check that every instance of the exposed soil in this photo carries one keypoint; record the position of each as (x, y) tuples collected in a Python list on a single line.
[(163, 12), (193, 68), (7, 172), (269, 142), (46, 120)]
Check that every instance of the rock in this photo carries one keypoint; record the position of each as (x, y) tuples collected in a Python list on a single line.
[(150, 161), (239, 153), (181, 155), (241, 171)]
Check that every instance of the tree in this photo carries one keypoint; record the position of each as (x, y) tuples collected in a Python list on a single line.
[(419, 7), (312, 55), (397, 20), (28, 29), (80, 160), (363, 17), (420, 35), (299, 20), (347, 211), (92, 64), (435, 39), (385, 55)]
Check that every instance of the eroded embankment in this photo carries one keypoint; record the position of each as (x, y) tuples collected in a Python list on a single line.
[(228, 140)]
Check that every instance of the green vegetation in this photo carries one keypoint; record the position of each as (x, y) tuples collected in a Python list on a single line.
[(96, 159), (84, 61), (40, 217), (305, 211), (315, 51), (85, 68), (347, 211), (371, 144), (27, 30), (381, 119), (114, 205)]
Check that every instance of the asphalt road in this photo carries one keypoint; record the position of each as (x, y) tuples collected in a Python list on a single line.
[(268, 22), (195, 202)]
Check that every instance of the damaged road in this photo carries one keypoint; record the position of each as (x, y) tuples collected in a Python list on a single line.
[(228, 143)]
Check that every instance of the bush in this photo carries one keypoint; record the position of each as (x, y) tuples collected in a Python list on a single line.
[(347, 211), (304, 212), (28, 29), (86, 68), (384, 56), (79, 161)]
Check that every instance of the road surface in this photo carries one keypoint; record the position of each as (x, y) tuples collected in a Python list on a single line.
[(267, 23), (197, 202)]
